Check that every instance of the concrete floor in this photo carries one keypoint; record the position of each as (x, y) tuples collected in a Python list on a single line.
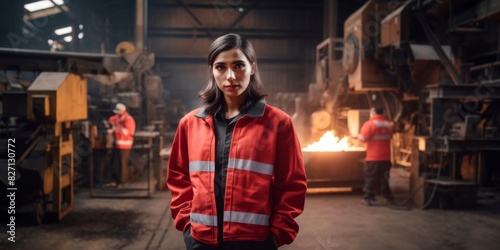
[(330, 221)]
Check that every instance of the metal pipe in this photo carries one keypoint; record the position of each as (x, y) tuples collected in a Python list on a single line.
[(330, 17), (139, 25), (145, 25)]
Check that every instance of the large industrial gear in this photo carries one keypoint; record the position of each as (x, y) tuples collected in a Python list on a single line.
[(351, 53)]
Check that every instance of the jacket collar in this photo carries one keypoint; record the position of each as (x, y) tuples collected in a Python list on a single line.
[(125, 114), (378, 117), (256, 110)]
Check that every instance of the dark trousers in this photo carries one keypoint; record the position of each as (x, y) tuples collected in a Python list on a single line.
[(192, 244), (120, 165), (101, 165), (377, 173)]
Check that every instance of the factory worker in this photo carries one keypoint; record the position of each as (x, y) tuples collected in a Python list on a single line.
[(123, 129), (377, 134), (235, 171)]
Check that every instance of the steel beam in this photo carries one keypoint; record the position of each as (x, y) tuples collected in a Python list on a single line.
[(439, 50), (195, 19), (66, 10), (221, 4), (467, 145), (242, 15), (37, 60), (168, 32), (470, 91)]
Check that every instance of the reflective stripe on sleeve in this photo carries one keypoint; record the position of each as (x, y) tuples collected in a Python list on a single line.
[(124, 131), (201, 166), (381, 137), (382, 124), (248, 218), (124, 142), (362, 138), (250, 165)]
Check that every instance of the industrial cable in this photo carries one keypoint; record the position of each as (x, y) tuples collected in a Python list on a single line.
[(386, 104), (436, 183), (399, 106), (407, 205)]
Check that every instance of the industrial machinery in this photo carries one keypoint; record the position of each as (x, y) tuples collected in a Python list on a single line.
[(60, 98), (55, 118), (433, 65), (51, 104)]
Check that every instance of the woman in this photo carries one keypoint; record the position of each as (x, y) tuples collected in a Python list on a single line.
[(235, 170)]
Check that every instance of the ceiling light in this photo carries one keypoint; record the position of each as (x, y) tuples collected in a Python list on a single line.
[(40, 5), (64, 30), (80, 36), (50, 41), (80, 26), (68, 39)]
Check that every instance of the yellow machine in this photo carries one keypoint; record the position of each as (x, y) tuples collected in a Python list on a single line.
[(53, 119), (56, 100)]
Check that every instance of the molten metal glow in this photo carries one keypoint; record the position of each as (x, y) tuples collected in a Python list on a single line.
[(331, 143)]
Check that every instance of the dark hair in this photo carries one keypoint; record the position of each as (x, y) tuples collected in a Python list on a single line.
[(378, 109), (212, 97)]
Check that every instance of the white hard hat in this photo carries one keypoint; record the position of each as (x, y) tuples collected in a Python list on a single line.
[(120, 108)]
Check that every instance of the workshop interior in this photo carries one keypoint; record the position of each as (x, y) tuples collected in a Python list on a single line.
[(433, 65)]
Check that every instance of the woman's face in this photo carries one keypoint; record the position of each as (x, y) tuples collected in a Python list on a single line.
[(232, 71)]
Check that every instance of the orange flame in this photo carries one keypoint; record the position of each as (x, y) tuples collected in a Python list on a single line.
[(331, 143)]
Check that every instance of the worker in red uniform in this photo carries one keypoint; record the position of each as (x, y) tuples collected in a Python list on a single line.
[(123, 128), (377, 134), (235, 170)]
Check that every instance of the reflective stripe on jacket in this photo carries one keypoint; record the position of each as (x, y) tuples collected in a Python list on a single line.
[(265, 182), (377, 133), (124, 130)]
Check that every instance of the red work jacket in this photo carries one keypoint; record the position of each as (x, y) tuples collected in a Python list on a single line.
[(377, 133), (265, 184), (124, 130)]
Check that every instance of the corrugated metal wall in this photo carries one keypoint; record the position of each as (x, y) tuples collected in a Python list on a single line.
[(284, 34)]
